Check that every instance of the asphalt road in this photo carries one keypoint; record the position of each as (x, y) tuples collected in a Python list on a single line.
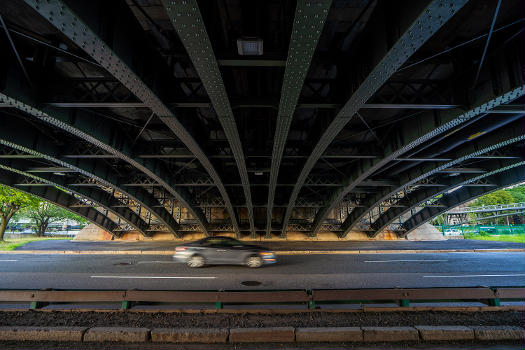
[(292, 271), (305, 245)]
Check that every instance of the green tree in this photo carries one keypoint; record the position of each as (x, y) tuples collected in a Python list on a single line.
[(43, 213), (518, 193), (494, 198), (11, 201)]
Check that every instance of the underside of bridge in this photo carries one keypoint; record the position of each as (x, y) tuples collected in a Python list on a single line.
[(259, 118)]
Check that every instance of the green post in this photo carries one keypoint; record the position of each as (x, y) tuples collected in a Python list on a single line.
[(36, 305), (126, 305), (218, 305), (494, 302), (311, 303), (405, 302)]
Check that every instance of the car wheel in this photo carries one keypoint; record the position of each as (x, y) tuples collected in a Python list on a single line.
[(254, 261), (196, 261)]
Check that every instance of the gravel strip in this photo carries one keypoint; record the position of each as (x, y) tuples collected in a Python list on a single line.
[(313, 319)]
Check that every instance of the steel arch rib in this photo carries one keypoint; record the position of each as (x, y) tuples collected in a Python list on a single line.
[(71, 25), (17, 135), (187, 21), (411, 135), (86, 126), (310, 17), (60, 198), (496, 140), (424, 26), (465, 194), (92, 194), (424, 194)]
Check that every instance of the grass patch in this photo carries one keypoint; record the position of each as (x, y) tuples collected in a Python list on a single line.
[(500, 238), (12, 243)]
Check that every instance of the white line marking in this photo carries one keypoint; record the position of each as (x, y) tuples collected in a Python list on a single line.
[(381, 261), (7, 260), (157, 262), (461, 276), (154, 277)]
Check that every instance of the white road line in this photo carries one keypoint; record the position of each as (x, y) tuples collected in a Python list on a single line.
[(155, 277), (467, 276), (383, 261), (7, 260), (157, 262)]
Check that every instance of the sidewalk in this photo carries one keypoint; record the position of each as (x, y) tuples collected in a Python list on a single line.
[(281, 248)]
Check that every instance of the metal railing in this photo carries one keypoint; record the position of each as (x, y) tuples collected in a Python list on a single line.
[(487, 208), (491, 296)]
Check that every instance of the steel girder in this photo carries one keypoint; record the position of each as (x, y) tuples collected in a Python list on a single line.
[(433, 17), (464, 194), (93, 194), (187, 21), (60, 198), (16, 134), (496, 140), (122, 61), (309, 21), (98, 132), (495, 93), (422, 195)]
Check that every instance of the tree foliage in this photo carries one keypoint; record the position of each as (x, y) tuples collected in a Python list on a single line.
[(43, 213), (496, 197), (11, 201)]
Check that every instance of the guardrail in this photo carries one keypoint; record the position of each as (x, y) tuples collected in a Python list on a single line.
[(491, 296), (485, 208)]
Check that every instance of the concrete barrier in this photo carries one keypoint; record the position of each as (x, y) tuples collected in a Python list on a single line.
[(329, 334), (389, 334), (262, 335), (190, 335), (498, 333), (445, 332), (22, 333), (117, 334)]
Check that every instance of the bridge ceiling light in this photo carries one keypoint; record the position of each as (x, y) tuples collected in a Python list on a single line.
[(250, 46)]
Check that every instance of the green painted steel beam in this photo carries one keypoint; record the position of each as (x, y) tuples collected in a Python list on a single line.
[(422, 27), (309, 20), (187, 21), (123, 61)]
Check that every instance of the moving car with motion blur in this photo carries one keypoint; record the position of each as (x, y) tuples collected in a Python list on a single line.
[(223, 251)]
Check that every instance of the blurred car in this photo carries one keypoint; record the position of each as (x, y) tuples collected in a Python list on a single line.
[(223, 251)]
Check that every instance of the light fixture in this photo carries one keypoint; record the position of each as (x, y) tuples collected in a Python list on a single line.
[(250, 46)]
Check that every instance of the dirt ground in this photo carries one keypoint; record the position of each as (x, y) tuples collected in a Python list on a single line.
[(204, 320)]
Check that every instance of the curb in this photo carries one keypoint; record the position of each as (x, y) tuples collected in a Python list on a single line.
[(282, 252), (258, 335)]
